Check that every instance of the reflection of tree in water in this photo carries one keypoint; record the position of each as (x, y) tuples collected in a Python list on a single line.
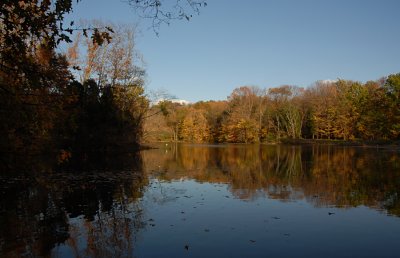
[(93, 213), (112, 218), (323, 175), (31, 222), (353, 176)]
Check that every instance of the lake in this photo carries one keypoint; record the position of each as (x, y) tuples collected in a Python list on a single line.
[(188, 200)]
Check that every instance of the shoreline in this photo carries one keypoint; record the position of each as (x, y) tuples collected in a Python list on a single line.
[(350, 143), (395, 145)]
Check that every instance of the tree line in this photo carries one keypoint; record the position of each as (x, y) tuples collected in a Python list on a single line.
[(341, 109)]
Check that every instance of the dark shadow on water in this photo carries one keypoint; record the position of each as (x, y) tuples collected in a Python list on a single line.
[(39, 200)]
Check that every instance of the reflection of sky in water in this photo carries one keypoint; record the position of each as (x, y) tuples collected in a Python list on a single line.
[(79, 236), (213, 223)]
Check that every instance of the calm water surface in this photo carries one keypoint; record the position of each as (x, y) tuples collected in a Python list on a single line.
[(208, 201)]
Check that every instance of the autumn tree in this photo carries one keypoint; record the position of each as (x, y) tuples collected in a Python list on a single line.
[(32, 103), (114, 62), (351, 97), (392, 88), (341, 109), (194, 127), (214, 112), (285, 116), (323, 96), (155, 128), (174, 114), (374, 114), (241, 122)]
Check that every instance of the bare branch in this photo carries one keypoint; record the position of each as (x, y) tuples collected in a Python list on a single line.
[(162, 12)]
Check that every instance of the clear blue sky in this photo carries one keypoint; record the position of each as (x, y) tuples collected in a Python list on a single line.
[(264, 43)]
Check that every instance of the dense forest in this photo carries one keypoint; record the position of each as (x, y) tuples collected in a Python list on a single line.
[(89, 97), (49, 106), (341, 109)]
